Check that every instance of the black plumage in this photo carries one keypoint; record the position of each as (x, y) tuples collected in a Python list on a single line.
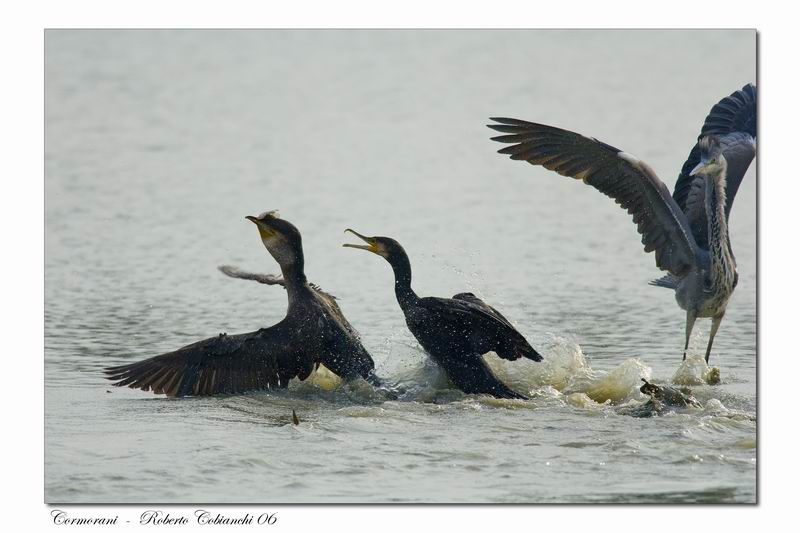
[(457, 331), (313, 332)]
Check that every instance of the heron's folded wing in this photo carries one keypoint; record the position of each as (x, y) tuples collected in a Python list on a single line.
[(225, 364), (630, 182), (733, 121)]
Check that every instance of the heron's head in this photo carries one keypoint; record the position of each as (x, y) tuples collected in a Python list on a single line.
[(712, 161), (385, 247), (280, 237)]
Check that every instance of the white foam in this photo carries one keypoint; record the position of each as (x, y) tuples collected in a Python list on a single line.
[(694, 371), (565, 370)]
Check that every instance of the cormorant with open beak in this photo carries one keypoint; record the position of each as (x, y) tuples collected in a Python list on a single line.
[(455, 332), (314, 331)]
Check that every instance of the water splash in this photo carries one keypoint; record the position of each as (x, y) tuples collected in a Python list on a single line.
[(321, 378), (620, 384), (566, 370), (695, 371), (562, 361)]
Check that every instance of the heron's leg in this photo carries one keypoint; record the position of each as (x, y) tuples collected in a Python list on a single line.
[(691, 316), (714, 327)]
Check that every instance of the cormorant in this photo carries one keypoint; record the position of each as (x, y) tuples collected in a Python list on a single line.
[(455, 332), (688, 230), (314, 331)]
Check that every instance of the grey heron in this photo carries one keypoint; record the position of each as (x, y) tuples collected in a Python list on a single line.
[(688, 230)]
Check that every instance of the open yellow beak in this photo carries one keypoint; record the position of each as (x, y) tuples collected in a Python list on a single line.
[(371, 246)]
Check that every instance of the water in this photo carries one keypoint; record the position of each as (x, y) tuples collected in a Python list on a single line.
[(159, 143)]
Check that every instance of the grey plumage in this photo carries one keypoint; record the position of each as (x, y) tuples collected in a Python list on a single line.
[(687, 230)]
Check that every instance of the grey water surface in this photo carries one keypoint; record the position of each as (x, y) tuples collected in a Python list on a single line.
[(158, 143)]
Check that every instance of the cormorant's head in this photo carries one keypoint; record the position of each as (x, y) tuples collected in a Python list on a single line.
[(280, 237), (385, 247), (711, 159)]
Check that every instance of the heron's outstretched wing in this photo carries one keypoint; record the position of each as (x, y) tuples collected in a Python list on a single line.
[(227, 364), (236, 272), (733, 121), (630, 182)]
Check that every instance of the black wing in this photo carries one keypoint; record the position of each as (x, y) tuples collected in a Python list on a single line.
[(630, 182), (488, 329), (225, 364), (733, 121), (344, 355), (469, 297)]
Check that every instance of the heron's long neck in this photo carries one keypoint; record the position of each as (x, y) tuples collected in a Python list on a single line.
[(402, 278), (717, 222)]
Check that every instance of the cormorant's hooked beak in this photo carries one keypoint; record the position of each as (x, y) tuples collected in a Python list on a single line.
[(372, 244), (263, 228)]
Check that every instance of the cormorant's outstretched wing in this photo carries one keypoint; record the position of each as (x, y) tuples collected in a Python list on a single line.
[(629, 181), (266, 279), (225, 364), (733, 121), (271, 279)]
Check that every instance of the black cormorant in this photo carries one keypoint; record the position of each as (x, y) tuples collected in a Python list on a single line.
[(314, 331), (455, 332)]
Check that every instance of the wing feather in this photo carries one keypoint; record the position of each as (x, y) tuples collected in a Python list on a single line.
[(487, 329), (223, 364), (733, 121), (622, 177)]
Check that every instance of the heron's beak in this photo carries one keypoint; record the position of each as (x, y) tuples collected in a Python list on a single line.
[(372, 244), (698, 169)]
